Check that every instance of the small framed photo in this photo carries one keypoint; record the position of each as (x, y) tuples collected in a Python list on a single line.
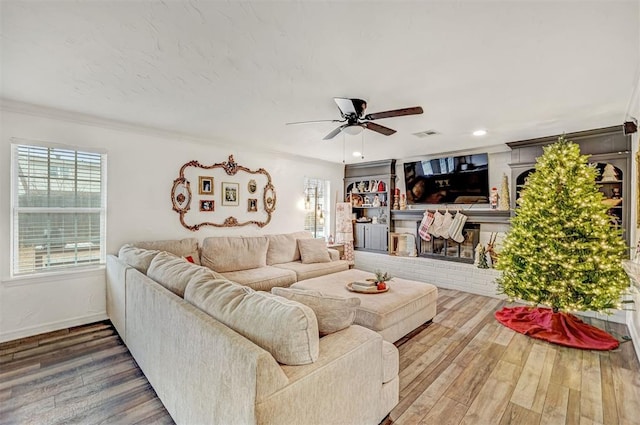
[(252, 205), (205, 185), (230, 194), (252, 186), (207, 205)]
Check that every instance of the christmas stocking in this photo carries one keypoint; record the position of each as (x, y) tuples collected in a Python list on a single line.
[(426, 222), (434, 229), (446, 223), (455, 230)]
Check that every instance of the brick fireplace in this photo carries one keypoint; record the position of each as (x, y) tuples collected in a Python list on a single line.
[(478, 221)]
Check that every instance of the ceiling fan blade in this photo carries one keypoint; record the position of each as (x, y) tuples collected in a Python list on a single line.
[(394, 113), (335, 132), (379, 128), (351, 107), (308, 122), (345, 105)]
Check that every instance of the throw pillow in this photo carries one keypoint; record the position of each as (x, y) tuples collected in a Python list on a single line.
[(313, 251), (286, 329), (181, 248), (283, 248), (233, 253), (138, 258), (333, 313), (174, 273)]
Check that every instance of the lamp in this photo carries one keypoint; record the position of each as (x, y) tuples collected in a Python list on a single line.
[(307, 201)]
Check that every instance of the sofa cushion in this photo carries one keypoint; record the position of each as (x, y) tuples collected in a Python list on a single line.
[(313, 251), (308, 271), (333, 313), (263, 278), (138, 258), (182, 248), (286, 329), (174, 273), (283, 248), (230, 254)]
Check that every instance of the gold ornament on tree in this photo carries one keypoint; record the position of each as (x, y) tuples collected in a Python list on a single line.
[(505, 202)]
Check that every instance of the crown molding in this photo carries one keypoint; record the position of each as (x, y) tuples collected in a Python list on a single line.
[(19, 107)]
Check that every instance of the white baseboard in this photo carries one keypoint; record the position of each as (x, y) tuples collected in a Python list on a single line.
[(53, 326), (635, 335)]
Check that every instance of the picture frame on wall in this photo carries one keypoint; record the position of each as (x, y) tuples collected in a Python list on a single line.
[(252, 186), (205, 185), (207, 205), (252, 205), (230, 194)]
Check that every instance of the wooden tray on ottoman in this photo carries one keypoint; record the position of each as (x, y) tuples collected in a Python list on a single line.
[(373, 290)]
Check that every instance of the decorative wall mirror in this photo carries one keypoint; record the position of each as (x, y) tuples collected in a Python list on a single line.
[(228, 197)]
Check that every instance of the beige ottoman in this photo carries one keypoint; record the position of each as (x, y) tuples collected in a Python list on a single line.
[(405, 306)]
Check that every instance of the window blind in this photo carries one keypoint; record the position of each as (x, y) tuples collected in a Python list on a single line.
[(58, 206)]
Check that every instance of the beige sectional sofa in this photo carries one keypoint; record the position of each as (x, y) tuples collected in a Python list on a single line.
[(218, 352), (264, 262)]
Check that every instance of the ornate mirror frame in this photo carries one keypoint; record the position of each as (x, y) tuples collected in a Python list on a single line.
[(181, 195)]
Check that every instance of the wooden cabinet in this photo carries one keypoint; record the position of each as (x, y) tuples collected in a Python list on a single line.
[(606, 147), (371, 237), (370, 187)]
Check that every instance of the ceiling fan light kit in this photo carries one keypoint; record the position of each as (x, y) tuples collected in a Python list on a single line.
[(352, 112), (353, 130)]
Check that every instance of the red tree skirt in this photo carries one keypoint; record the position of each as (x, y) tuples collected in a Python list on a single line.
[(557, 328)]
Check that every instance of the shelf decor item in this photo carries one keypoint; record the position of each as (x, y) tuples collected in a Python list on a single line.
[(504, 202), (609, 174)]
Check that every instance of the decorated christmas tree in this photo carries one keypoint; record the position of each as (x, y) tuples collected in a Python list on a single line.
[(562, 250)]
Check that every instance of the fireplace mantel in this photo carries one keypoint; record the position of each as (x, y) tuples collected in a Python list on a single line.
[(481, 216)]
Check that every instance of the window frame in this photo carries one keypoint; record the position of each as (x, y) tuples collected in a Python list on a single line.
[(324, 201), (16, 210)]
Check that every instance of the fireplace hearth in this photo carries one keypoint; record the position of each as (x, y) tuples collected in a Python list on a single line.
[(448, 249)]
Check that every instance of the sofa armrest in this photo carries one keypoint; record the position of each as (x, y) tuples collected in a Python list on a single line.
[(330, 389), (334, 254), (116, 297)]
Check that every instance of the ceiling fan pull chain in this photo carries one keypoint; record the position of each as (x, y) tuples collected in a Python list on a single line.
[(344, 147), (362, 147)]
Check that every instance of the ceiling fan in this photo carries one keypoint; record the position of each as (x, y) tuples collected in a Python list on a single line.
[(352, 115)]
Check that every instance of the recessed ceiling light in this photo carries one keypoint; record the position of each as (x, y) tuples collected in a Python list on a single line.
[(356, 154), (480, 132)]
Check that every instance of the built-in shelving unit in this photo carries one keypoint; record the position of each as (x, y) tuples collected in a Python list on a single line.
[(369, 187), (605, 146)]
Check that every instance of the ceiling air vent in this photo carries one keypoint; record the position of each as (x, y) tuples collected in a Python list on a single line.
[(425, 133)]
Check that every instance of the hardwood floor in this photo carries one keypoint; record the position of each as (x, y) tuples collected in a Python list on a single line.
[(464, 368)]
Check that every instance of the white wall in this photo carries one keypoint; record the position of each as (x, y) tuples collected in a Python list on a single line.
[(633, 316), (141, 164)]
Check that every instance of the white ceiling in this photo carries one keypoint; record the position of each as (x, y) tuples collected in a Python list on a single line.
[(235, 73)]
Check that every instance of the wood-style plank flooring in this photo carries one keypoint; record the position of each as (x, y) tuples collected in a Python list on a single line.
[(464, 368)]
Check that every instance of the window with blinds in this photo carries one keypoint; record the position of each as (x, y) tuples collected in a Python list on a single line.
[(316, 206), (58, 208)]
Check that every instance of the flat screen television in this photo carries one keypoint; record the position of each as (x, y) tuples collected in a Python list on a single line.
[(451, 180)]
